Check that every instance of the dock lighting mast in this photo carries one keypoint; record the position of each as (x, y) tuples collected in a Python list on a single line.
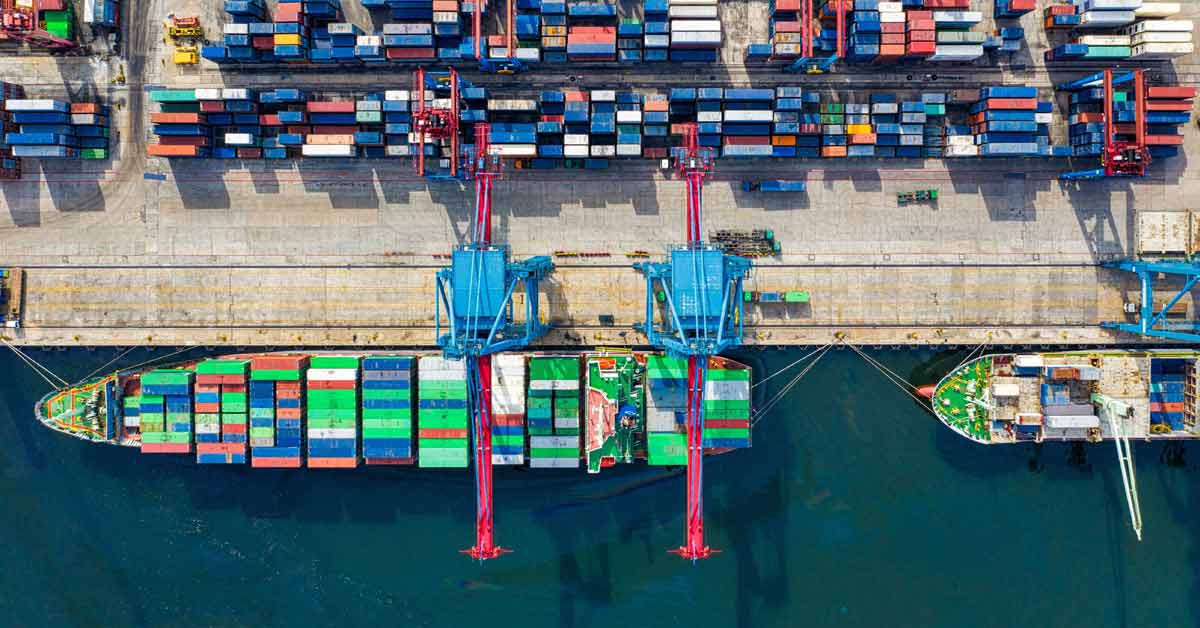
[(436, 123), (1151, 323), (702, 317), (20, 21), (476, 292), (807, 63), (1120, 158)]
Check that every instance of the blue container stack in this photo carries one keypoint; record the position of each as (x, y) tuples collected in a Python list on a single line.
[(386, 418), (747, 118), (657, 31), (1005, 123), (629, 40), (934, 129), (864, 31), (629, 124), (48, 129), (602, 125), (1168, 379), (553, 15), (10, 166)]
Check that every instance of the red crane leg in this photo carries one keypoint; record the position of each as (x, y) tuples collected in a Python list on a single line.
[(694, 546), (485, 542)]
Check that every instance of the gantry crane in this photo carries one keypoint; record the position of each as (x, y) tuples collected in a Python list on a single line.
[(20, 20), (702, 316), (509, 64), (477, 294), (440, 124), (1126, 157), (807, 63), (1154, 324)]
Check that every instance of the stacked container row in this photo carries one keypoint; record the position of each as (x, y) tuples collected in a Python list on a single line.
[(552, 411), (165, 411), (1119, 29), (331, 401), (387, 391), (442, 416), (49, 128), (508, 409), (10, 165), (276, 410), (221, 411)]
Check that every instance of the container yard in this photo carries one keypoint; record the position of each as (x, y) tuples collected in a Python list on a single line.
[(469, 238)]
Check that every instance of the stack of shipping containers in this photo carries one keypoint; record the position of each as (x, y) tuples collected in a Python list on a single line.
[(629, 40), (554, 31), (387, 389), (666, 409), (1167, 107), (591, 31), (331, 404), (551, 105), (10, 166), (166, 411), (603, 123), (657, 28), (695, 30), (1119, 29), (629, 124), (575, 124), (508, 409), (50, 129), (442, 415), (221, 411), (276, 378), (131, 414), (833, 130), (552, 409), (726, 406), (1168, 378), (1004, 122), (746, 122), (656, 120)]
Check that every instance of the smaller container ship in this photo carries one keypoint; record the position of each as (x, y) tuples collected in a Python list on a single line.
[(338, 410), (1071, 396)]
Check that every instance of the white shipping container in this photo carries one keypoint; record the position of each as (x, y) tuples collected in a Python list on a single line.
[(1161, 26), (604, 95), (399, 150), (688, 38), (1104, 40), (236, 29), (727, 390), (340, 28), (86, 118), (573, 151), (960, 140), (553, 442), (575, 139), (396, 94), (329, 150), (1161, 38), (1105, 19), (708, 116), (529, 54), (133, 421), (962, 151), (629, 117), (1072, 422), (208, 428), (629, 150), (514, 150), (1043, 118), (441, 103), (1162, 51), (1157, 9), (676, 3), (508, 459), (739, 115), (239, 139), (511, 104), (694, 11), (332, 375), (657, 41), (695, 26), (208, 93), (439, 368), (1109, 5), (89, 11), (33, 104), (368, 105), (891, 17), (957, 16), (369, 40), (605, 150), (345, 433), (235, 93), (955, 52)]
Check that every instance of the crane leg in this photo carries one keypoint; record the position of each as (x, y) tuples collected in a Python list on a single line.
[(694, 546), (485, 544)]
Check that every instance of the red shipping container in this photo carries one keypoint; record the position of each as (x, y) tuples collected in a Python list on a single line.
[(1011, 103), (727, 423), (445, 5), (944, 4), (332, 463), (924, 37), (208, 407), (324, 129), (287, 386), (288, 413), (281, 362), (1125, 128), (316, 384), (892, 27), (593, 30), (787, 5), (1087, 118), (891, 39), (1021, 5), (558, 118), (275, 463), (183, 140), (922, 25), (302, 130), (1165, 140), (247, 152), (206, 382), (269, 119), (334, 106), (891, 50), (918, 15), (263, 42), (389, 461), (575, 96), (177, 118), (220, 448), (428, 432), (833, 151), (84, 107), (508, 419), (1167, 92), (166, 448), (212, 106), (862, 138), (654, 152), (170, 150), (410, 53), (747, 140), (233, 428), (233, 383), (1173, 406), (788, 27), (1060, 9), (1168, 105), (288, 12)]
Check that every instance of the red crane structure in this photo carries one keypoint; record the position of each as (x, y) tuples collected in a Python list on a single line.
[(1128, 156), (702, 289), (436, 123), (21, 23)]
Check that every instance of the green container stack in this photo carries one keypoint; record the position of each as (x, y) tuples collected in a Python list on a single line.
[(727, 406), (331, 400), (167, 399), (552, 412), (387, 432), (666, 409), (442, 413), (60, 23)]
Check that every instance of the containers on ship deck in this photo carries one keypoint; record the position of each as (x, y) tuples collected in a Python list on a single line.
[(552, 411), (508, 409), (331, 403), (442, 424), (387, 391), (726, 408), (165, 411), (221, 411), (1168, 378), (276, 378)]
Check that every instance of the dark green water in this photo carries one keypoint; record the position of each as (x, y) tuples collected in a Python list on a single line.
[(854, 508)]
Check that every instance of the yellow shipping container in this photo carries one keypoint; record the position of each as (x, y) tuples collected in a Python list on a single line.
[(853, 129), (287, 40), (554, 31)]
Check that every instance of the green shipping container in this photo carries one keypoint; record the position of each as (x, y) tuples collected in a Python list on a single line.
[(443, 443), (275, 375), (389, 413), (167, 437), (545, 452), (666, 448), (93, 153), (167, 377), (223, 367), (172, 95), (334, 362), (376, 393), (729, 375)]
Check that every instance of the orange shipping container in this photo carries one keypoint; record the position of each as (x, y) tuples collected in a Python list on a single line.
[(892, 50), (833, 151), (445, 5), (783, 140), (85, 107), (332, 463), (862, 138), (330, 140), (167, 150), (655, 102), (427, 432), (177, 118)]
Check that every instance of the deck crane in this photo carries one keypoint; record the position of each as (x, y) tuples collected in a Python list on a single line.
[(1118, 412), (702, 316), (439, 124), (509, 64), (1125, 157), (477, 294), (20, 20), (807, 63)]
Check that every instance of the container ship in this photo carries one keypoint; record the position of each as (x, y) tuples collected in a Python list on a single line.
[(1071, 396), (327, 410)]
